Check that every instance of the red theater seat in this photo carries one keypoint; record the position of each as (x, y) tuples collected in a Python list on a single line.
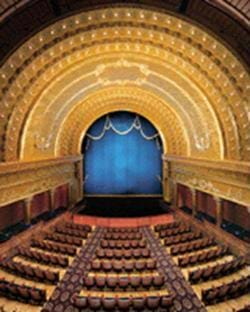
[(145, 253), (94, 303), (109, 253), (140, 265), (100, 253), (107, 265), (96, 265), (129, 266), (80, 302), (153, 302), (104, 243), (147, 281), (89, 281), (118, 266), (126, 245), (139, 303), (123, 282), (118, 253), (109, 304), (135, 281), (137, 253), (100, 281), (37, 295), (158, 281), (112, 282), (15, 290), (124, 303), (127, 254), (166, 301), (151, 264)]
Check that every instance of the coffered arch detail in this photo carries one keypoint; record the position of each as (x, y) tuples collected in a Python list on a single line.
[(119, 69), (127, 98), (184, 62)]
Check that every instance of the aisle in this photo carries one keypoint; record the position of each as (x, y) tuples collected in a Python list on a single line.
[(70, 284), (186, 299)]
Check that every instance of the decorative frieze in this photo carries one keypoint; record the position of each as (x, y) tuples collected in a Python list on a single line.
[(22, 181), (225, 179), (197, 78)]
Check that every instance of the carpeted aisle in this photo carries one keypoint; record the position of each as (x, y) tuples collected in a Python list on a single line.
[(186, 300), (60, 299)]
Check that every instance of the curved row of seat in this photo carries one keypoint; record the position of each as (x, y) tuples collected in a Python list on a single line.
[(175, 231), (205, 256), (216, 271), (159, 227), (42, 257), (123, 253), (122, 236), (181, 238), (245, 308), (123, 283), (151, 303), (196, 245), (123, 266), (26, 271), (119, 244), (62, 239), (122, 230), (54, 247), (81, 227), (231, 290), (22, 293), (66, 239), (71, 232)]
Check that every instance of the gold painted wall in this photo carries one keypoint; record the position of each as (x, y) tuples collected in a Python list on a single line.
[(175, 73), (19, 181), (223, 179)]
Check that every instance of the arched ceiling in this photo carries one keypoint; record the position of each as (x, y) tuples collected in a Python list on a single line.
[(230, 19), (189, 84)]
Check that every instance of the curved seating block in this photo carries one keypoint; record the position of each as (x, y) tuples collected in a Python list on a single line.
[(22, 293)]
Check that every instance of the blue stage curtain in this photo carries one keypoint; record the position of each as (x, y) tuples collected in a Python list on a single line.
[(122, 164)]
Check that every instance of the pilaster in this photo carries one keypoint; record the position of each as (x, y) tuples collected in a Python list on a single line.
[(219, 211), (27, 210), (194, 208)]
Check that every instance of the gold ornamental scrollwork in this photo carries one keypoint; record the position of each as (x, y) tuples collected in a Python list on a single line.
[(20, 181), (226, 180), (117, 99), (195, 54)]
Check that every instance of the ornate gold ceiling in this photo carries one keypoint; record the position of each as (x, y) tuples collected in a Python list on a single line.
[(180, 77)]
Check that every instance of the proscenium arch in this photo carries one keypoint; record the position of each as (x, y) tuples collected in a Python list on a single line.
[(132, 99), (75, 82), (193, 51)]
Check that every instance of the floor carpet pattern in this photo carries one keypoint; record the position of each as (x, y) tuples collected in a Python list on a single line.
[(186, 299), (70, 284)]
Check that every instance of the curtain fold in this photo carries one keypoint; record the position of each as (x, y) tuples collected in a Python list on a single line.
[(122, 153)]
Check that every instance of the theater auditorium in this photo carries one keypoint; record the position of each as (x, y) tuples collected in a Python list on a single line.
[(124, 155)]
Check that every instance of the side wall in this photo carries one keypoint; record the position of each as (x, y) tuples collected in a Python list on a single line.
[(32, 188), (11, 214), (14, 213), (221, 188)]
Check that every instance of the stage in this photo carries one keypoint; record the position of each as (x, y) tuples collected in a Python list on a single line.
[(123, 206), (123, 222)]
